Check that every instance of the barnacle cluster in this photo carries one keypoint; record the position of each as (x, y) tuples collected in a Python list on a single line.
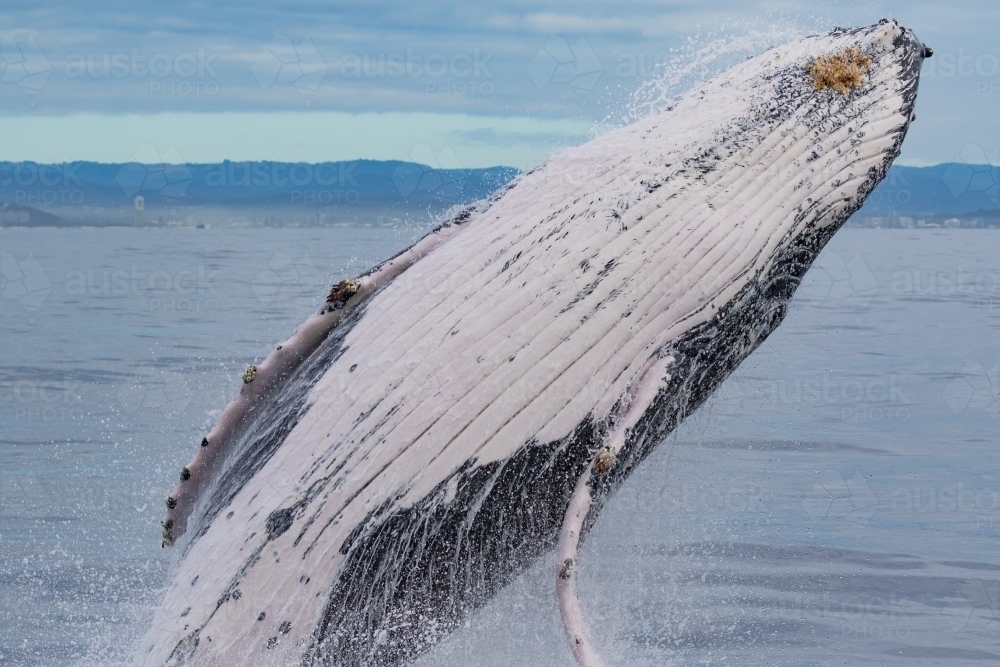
[(168, 532), (604, 460), (842, 71), (342, 291)]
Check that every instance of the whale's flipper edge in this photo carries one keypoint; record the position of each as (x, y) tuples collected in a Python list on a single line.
[(223, 451)]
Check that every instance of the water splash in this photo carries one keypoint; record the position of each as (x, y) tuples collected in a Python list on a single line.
[(699, 59)]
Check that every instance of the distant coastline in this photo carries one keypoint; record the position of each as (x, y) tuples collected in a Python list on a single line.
[(371, 192), (236, 194)]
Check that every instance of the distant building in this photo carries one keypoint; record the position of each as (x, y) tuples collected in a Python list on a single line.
[(138, 205)]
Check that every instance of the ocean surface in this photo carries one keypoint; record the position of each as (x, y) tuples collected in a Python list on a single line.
[(836, 502)]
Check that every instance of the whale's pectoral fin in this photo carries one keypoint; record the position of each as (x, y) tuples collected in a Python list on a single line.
[(634, 404)]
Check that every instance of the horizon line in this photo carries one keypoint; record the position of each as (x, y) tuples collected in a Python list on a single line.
[(916, 164)]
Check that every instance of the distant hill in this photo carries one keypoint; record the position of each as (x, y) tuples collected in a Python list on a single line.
[(248, 192), (373, 192), (942, 191)]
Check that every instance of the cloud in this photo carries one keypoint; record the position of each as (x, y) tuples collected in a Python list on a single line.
[(438, 57)]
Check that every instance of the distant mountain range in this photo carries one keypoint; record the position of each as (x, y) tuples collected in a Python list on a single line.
[(243, 193), (948, 190), (372, 192)]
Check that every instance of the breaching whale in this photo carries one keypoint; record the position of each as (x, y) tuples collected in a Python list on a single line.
[(468, 405)]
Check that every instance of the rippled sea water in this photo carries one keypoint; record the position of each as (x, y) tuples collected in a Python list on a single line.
[(836, 502)]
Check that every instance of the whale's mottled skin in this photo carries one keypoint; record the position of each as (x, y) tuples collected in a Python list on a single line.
[(416, 445)]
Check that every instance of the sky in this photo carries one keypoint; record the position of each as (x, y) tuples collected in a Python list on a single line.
[(442, 82)]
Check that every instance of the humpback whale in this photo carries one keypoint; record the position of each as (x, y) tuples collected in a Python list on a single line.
[(470, 404)]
